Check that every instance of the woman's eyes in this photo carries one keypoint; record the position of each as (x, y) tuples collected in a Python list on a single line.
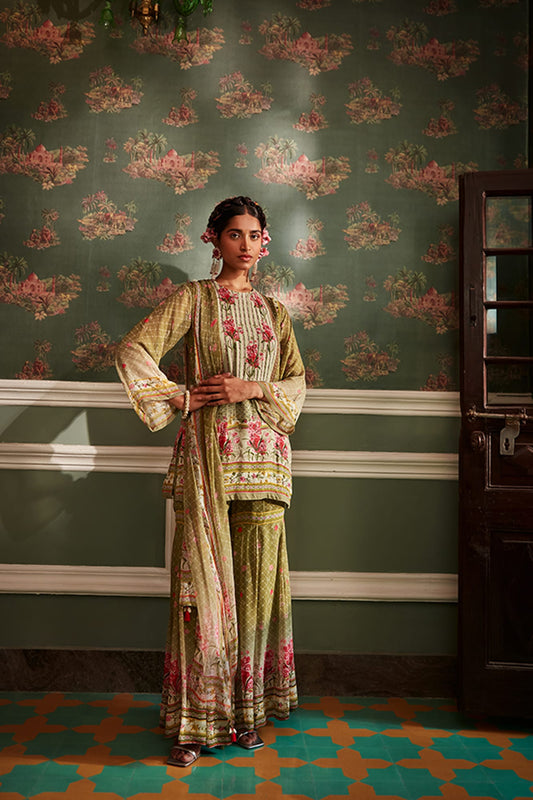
[(253, 236)]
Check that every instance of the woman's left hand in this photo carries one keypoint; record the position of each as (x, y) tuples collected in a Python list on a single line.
[(226, 388)]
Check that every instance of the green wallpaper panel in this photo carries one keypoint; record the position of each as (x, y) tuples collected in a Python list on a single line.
[(349, 120), (99, 426), (140, 623), (373, 525), (94, 518)]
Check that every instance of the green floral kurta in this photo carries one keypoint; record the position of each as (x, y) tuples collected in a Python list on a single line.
[(203, 474)]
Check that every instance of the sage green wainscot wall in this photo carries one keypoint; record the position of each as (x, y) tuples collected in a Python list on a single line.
[(338, 525)]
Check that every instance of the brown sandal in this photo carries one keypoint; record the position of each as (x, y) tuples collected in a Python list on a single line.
[(173, 759), (255, 744)]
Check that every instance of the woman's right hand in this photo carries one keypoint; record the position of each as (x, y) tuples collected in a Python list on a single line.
[(195, 401)]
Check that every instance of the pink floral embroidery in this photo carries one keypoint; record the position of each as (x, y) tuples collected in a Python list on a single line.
[(253, 356), (256, 436), (226, 295), (266, 332), (231, 330), (286, 659), (246, 674), (257, 301), (281, 445), (224, 441)]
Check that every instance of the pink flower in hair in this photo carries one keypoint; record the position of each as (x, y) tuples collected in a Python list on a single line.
[(208, 235), (265, 239)]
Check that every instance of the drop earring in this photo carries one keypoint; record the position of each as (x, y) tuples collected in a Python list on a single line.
[(215, 263)]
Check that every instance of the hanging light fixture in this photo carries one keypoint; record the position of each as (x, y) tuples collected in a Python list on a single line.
[(185, 8), (147, 12)]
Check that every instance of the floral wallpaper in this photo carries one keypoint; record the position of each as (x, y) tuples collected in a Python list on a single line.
[(348, 120)]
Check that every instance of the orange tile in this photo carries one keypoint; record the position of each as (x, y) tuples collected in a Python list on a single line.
[(94, 760), (401, 708), (352, 764), (417, 734), (31, 728), (332, 707), (511, 759), (80, 790), (436, 764), (50, 702), (340, 732), (108, 729), (266, 763), (15, 756), (120, 703)]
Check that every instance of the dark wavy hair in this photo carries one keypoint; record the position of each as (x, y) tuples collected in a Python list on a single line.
[(234, 207)]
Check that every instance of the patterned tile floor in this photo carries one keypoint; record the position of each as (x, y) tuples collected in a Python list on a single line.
[(108, 747)]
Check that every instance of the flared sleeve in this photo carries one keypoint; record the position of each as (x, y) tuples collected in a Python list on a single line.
[(140, 351), (283, 398)]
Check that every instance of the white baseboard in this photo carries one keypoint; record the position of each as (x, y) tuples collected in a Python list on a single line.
[(85, 394), (305, 463), (155, 582)]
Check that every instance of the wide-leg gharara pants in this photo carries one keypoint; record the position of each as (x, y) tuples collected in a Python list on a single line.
[(265, 683)]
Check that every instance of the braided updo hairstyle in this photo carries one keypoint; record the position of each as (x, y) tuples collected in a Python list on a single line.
[(234, 207)]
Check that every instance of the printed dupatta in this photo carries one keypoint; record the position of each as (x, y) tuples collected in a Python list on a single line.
[(192, 312)]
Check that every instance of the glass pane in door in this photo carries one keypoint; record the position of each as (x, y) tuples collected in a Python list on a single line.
[(509, 277), (509, 384), (508, 221), (510, 332)]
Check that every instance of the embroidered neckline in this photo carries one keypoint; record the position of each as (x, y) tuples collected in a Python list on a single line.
[(233, 291)]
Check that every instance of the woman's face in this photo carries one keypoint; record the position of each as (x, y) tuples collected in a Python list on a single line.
[(240, 242)]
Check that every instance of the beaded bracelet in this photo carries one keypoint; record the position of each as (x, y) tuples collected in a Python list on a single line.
[(186, 404)]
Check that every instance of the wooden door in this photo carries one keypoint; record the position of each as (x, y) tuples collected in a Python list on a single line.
[(496, 445)]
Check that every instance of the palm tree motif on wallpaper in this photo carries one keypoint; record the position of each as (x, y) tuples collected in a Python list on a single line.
[(314, 120), (197, 48), (312, 246), (313, 307), (313, 5), (367, 230), (442, 126), (103, 220), (313, 379), (495, 109), (365, 361), (58, 42), (442, 381), (180, 173), (48, 167), (110, 93), (184, 114), (141, 289), (179, 241), (439, 182), (94, 349), (443, 251), (238, 98), (42, 238), (52, 109), (319, 54), (445, 60), (314, 178), (508, 222), (437, 310), (440, 8), (6, 85), (39, 369), (45, 297), (369, 104)]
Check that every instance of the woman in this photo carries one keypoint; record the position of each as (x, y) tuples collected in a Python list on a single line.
[(229, 658)]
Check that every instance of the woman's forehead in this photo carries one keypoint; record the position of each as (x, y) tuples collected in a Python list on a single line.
[(243, 222)]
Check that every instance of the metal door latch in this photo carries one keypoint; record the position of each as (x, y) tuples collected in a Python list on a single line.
[(508, 435)]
